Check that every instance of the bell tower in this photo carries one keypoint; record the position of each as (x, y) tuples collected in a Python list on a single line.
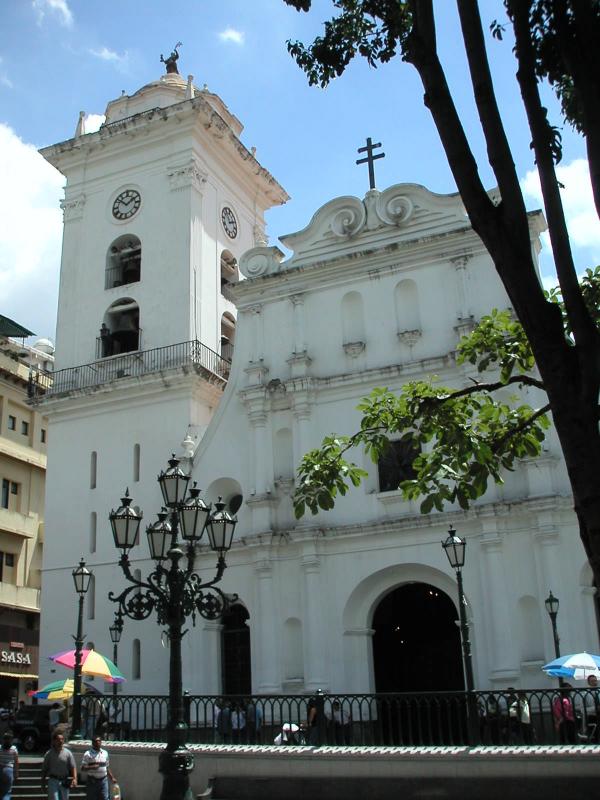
[(159, 205)]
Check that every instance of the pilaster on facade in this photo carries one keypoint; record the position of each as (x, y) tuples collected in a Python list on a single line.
[(186, 175), (257, 372), (268, 655), (73, 207), (462, 285)]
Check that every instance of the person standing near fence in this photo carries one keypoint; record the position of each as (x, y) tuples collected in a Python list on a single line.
[(95, 766), (9, 765), (564, 716)]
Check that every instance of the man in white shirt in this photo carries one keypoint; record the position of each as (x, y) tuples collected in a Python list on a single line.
[(95, 766)]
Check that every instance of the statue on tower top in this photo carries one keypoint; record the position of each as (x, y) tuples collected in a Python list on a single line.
[(171, 61)]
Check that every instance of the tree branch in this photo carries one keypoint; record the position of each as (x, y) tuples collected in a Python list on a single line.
[(522, 426), (498, 149)]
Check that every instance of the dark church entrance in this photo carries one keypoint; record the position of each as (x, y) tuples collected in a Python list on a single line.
[(417, 648), (235, 652)]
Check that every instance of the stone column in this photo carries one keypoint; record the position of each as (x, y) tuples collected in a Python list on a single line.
[(210, 659), (359, 677), (267, 655), (313, 623), (589, 626), (546, 540), (299, 342), (503, 659)]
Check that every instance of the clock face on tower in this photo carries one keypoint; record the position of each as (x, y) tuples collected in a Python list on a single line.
[(229, 222), (126, 204)]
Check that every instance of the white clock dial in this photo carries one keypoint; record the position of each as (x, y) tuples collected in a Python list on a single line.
[(229, 222), (126, 204)]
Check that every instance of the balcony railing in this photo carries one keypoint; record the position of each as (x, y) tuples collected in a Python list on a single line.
[(531, 717), (193, 354)]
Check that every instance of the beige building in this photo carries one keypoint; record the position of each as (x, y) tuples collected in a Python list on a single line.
[(23, 443)]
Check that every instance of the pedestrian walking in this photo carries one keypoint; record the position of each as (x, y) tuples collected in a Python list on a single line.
[(95, 765), (9, 765), (59, 773)]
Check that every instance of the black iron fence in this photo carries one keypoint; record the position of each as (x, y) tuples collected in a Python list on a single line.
[(192, 354), (438, 718)]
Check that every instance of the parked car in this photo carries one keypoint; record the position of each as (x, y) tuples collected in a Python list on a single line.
[(31, 727)]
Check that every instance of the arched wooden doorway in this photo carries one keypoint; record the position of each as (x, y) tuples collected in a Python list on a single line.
[(236, 675)]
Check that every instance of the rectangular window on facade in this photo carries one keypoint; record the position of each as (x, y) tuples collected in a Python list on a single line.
[(43, 436), (24, 428), (136, 462), (93, 469), (396, 465), (14, 488), (12, 423), (7, 562), (5, 491), (93, 531)]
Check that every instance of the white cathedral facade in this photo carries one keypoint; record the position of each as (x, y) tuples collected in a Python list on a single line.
[(164, 248)]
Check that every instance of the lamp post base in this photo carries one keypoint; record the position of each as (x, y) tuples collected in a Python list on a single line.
[(176, 765)]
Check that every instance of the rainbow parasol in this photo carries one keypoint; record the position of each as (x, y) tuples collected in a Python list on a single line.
[(61, 690), (92, 663)]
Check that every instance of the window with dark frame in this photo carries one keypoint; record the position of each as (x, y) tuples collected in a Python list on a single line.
[(396, 464), (24, 428), (12, 423), (5, 491), (43, 436)]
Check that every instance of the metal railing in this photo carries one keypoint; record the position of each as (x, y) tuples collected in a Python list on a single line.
[(531, 717), (121, 276), (192, 354)]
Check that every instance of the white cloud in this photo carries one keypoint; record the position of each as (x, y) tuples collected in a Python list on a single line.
[(92, 122), (30, 234), (231, 35), (111, 56), (59, 7), (580, 211)]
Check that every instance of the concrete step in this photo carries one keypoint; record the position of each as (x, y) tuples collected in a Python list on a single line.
[(29, 785)]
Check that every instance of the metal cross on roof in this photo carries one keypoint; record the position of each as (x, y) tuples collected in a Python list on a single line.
[(370, 158)]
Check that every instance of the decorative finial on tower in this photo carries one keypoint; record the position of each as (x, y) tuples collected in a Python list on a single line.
[(189, 89), (80, 129), (171, 61)]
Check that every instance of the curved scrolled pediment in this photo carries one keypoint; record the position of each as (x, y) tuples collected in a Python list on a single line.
[(260, 261), (403, 212), (394, 207), (348, 219)]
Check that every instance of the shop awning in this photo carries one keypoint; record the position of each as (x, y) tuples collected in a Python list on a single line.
[(9, 327)]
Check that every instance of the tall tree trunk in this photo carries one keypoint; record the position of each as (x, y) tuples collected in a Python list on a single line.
[(571, 375)]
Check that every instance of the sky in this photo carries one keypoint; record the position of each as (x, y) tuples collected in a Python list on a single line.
[(58, 57)]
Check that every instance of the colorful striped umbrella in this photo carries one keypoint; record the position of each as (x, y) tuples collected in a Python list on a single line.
[(92, 663), (61, 690)]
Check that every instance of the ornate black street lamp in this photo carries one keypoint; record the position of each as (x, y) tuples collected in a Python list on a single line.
[(455, 547), (174, 591), (552, 605), (81, 578), (115, 630)]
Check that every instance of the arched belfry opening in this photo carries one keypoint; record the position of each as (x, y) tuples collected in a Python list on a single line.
[(120, 331), (236, 677), (227, 335), (416, 644), (123, 262), (229, 269)]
